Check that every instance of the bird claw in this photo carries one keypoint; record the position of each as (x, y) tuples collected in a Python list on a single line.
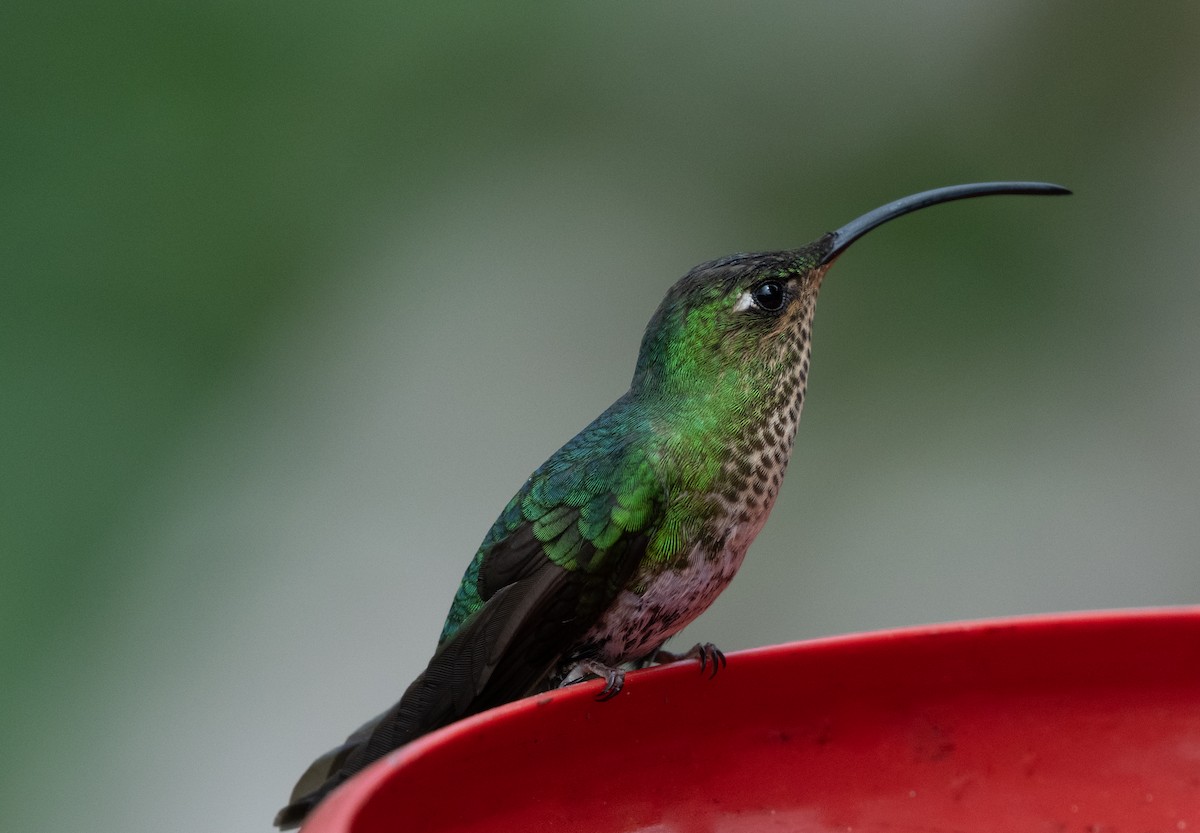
[(614, 678), (712, 658)]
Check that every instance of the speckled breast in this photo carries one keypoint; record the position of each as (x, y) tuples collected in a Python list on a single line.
[(640, 620), (656, 606)]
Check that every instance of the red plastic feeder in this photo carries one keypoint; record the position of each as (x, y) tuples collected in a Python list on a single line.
[(1087, 723)]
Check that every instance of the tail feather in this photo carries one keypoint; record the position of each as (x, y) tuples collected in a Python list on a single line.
[(319, 779), (458, 682)]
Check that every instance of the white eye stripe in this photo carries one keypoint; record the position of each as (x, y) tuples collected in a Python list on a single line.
[(744, 302)]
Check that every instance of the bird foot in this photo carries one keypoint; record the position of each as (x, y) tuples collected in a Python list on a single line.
[(614, 678), (710, 656)]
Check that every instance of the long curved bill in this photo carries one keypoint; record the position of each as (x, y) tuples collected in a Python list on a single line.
[(847, 234)]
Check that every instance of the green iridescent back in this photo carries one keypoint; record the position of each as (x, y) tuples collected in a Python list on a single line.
[(594, 492)]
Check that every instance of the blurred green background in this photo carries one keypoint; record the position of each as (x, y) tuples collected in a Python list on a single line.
[(295, 295)]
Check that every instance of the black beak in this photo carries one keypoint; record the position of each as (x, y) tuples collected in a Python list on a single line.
[(847, 234)]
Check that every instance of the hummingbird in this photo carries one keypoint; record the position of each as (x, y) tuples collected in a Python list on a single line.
[(631, 530)]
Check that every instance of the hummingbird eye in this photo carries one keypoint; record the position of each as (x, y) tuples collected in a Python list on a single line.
[(768, 295)]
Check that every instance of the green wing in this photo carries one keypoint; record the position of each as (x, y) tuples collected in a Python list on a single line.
[(585, 515)]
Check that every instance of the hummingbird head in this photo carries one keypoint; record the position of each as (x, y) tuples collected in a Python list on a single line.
[(735, 319), (739, 327)]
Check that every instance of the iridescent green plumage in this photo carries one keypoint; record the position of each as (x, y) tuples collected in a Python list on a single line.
[(574, 511), (631, 529)]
